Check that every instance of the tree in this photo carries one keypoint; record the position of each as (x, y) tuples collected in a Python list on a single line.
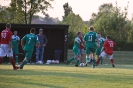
[(24, 10), (67, 10), (76, 24)]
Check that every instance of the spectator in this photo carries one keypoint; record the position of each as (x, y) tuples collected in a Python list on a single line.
[(40, 50)]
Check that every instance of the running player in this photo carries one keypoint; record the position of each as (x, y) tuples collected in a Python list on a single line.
[(6, 46), (27, 43), (107, 50), (90, 39), (98, 50), (76, 49)]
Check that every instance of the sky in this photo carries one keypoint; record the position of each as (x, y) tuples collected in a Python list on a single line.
[(82, 7)]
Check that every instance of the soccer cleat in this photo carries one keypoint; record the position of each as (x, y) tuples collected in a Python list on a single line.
[(113, 65), (16, 67), (76, 65)]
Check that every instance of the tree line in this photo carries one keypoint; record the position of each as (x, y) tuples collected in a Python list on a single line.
[(109, 20)]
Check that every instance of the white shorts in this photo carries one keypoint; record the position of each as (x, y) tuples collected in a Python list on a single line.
[(104, 55), (4, 51), (82, 51)]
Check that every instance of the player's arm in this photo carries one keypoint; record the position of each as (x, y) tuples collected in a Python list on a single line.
[(37, 42), (10, 40), (18, 40), (23, 41)]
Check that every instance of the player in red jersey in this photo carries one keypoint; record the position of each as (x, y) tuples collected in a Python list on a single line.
[(6, 46), (82, 46), (108, 50)]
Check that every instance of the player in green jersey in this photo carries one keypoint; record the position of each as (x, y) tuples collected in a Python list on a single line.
[(76, 50), (90, 39), (98, 50), (15, 43), (27, 43)]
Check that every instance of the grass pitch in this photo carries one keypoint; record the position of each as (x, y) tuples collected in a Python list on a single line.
[(62, 76)]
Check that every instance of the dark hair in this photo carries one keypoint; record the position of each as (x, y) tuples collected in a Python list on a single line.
[(98, 33), (108, 37), (79, 33), (8, 25), (32, 30), (91, 28)]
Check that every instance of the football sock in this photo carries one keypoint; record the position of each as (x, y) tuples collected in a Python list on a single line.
[(16, 57), (94, 61), (112, 61), (1, 60), (87, 59), (71, 59), (98, 60), (25, 61), (12, 62), (101, 61), (77, 62)]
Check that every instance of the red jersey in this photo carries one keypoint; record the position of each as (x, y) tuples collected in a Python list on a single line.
[(108, 46), (81, 46), (5, 37)]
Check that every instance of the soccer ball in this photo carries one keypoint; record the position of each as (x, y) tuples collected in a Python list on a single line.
[(82, 64)]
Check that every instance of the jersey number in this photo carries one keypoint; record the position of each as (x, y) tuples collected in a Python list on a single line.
[(89, 38), (3, 35), (29, 40), (111, 44)]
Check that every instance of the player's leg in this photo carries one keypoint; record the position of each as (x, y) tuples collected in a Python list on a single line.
[(28, 55), (2, 53), (82, 54), (102, 55), (77, 60), (87, 55), (93, 50), (16, 54), (9, 53), (41, 54), (111, 60), (37, 54)]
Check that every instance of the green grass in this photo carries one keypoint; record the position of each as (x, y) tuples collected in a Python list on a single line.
[(62, 76)]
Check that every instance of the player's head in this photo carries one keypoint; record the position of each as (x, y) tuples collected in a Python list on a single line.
[(40, 31), (8, 26), (79, 34), (15, 32), (108, 37), (91, 28), (99, 35), (32, 30)]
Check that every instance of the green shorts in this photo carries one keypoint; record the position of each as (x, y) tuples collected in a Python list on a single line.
[(98, 51), (28, 54), (76, 51), (15, 50), (90, 50)]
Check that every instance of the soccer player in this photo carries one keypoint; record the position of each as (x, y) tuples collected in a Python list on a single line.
[(98, 50), (82, 46), (6, 45), (27, 43), (76, 50), (91, 45), (15, 43), (107, 50)]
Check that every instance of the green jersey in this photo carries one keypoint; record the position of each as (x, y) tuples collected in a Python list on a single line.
[(77, 43), (30, 40), (90, 39), (15, 40), (101, 40)]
